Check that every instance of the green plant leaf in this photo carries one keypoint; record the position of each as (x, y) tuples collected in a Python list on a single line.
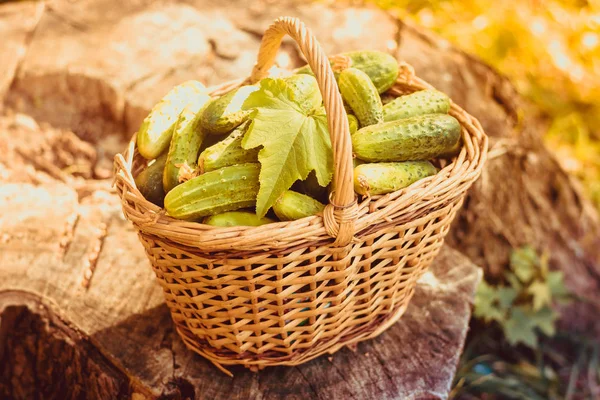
[(515, 283), (506, 296), (486, 306), (544, 320), (523, 262), (555, 281), (294, 141), (519, 328), (541, 294)]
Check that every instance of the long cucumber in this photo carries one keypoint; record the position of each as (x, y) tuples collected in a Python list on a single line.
[(225, 113), (156, 130), (382, 178), (226, 189), (415, 104), (227, 152), (417, 138), (185, 144), (361, 95)]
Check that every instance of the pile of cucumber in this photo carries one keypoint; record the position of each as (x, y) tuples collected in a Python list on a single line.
[(199, 171)]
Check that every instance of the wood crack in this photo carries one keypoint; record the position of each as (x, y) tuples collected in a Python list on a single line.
[(94, 255), (310, 385)]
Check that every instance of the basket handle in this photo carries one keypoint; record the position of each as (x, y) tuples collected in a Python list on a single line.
[(341, 212)]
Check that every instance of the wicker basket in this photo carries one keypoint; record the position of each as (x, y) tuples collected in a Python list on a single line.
[(287, 292)]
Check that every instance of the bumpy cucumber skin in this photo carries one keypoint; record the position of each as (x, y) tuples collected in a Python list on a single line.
[(361, 95), (352, 123), (306, 91), (227, 152), (382, 178), (225, 113), (293, 205), (237, 218), (185, 143), (156, 130), (226, 189), (381, 67), (415, 104), (417, 138), (150, 181)]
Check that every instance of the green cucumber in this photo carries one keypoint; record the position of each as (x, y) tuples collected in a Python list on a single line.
[(417, 138), (226, 189), (150, 181), (237, 218), (352, 123), (361, 95), (382, 178), (225, 113), (227, 152), (156, 130), (415, 104), (293, 205), (381, 67), (185, 144), (306, 91), (452, 151)]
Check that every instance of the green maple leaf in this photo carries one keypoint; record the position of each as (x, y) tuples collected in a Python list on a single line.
[(523, 323), (544, 320), (506, 297), (541, 294), (556, 284), (519, 328), (486, 307), (294, 141), (515, 283)]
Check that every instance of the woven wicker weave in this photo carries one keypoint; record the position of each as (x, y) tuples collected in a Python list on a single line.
[(284, 293)]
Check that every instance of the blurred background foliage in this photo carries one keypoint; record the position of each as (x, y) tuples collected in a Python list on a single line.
[(550, 50)]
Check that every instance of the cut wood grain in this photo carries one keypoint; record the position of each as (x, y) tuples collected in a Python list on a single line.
[(110, 335)]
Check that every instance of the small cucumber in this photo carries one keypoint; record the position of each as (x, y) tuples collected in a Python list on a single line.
[(381, 67), (361, 95), (415, 104), (352, 123), (293, 205), (382, 178), (150, 181), (155, 133), (226, 189), (225, 113), (237, 218), (416, 138), (227, 152), (185, 144), (306, 91)]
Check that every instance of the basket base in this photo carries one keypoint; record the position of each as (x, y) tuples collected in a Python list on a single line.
[(256, 362)]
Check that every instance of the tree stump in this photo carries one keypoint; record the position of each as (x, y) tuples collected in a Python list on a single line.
[(81, 315)]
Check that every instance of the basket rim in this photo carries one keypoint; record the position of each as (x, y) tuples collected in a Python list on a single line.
[(402, 206)]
